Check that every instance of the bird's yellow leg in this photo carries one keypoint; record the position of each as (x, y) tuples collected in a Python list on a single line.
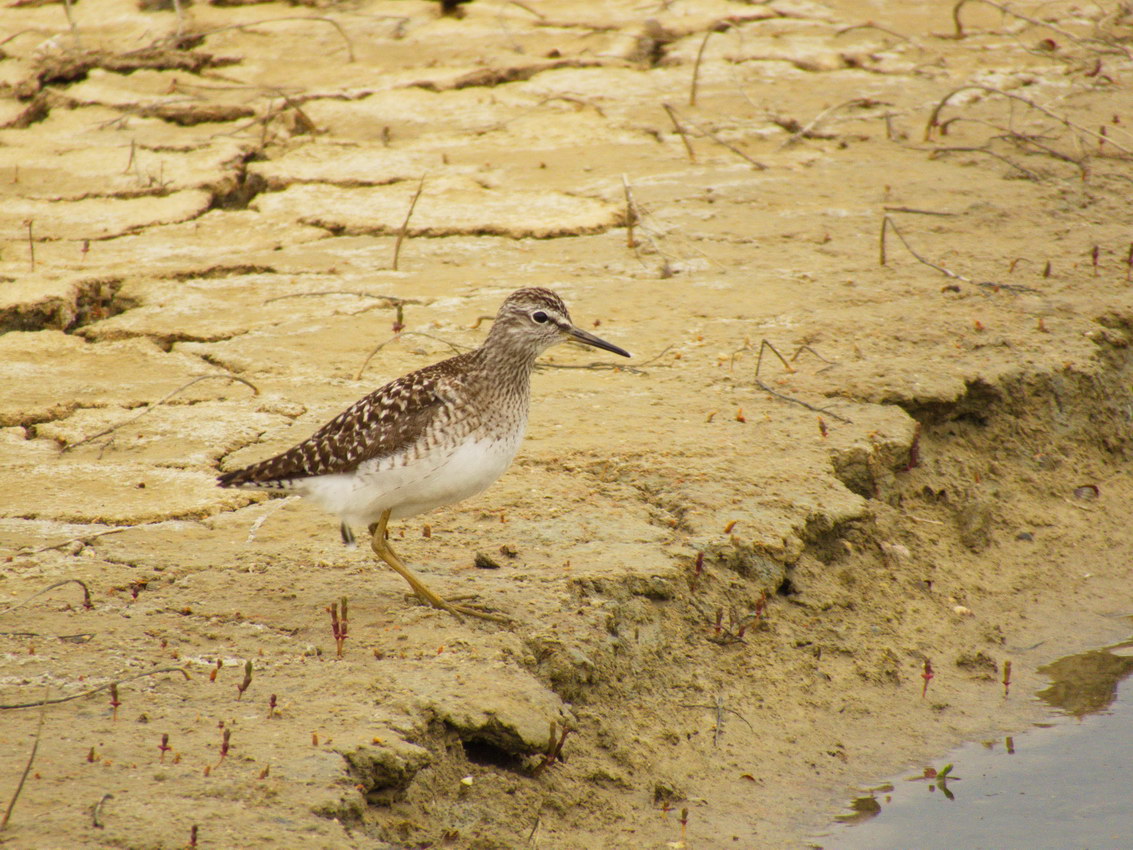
[(383, 550)]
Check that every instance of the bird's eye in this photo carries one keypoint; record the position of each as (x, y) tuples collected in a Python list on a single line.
[(539, 316)]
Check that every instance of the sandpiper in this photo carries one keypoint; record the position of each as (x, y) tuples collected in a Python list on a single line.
[(431, 438)]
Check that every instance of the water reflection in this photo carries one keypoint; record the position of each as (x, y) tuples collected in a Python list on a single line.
[(1087, 683), (1055, 786), (864, 808)]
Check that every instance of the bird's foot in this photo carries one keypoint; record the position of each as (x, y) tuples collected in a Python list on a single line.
[(458, 611), (384, 551)]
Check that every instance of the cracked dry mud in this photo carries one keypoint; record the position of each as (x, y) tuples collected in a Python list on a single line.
[(220, 196)]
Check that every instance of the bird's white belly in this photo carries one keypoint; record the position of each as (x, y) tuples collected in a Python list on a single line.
[(440, 477)]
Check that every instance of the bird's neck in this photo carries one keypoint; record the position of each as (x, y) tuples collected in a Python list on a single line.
[(504, 366)]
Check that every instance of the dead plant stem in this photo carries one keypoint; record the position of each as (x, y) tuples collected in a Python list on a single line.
[(27, 767), (158, 403), (405, 224)]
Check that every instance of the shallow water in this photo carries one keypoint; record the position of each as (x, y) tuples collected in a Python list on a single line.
[(1061, 785)]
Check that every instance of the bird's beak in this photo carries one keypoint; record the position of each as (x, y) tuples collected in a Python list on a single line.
[(588, 338)]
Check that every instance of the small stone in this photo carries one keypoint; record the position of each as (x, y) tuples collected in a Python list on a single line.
[(485, 562)]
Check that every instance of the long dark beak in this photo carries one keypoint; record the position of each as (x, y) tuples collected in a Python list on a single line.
[(588, 338)]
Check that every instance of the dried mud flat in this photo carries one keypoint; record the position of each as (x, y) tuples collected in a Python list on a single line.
[(199, 216)]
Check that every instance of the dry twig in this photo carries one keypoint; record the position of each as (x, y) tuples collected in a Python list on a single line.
[(456, 349), (888, 224), (84, 539), (870, 25), (158, 403), (1006, 10), (180, 30), (405, 224), (917, 211), (984, 150), (804, 131), (759, 382), (27, 767), (96, 811), (720, 710), (278, 503), (86, 593), (696, 67), (87, 693), (758, 166), (681, 131), (934, 118), (764, 344), (529, 9), (631, 213), (31, 244), (71, 23), (1019, 140)]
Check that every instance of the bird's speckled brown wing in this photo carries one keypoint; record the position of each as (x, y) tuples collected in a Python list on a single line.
[(386, 421)]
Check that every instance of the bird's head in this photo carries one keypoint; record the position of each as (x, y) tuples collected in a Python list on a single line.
[(534, 319)]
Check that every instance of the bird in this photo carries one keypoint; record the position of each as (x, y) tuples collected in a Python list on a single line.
[(433, 437)]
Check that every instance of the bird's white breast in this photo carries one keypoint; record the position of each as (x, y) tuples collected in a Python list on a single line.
[(440, 476)]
